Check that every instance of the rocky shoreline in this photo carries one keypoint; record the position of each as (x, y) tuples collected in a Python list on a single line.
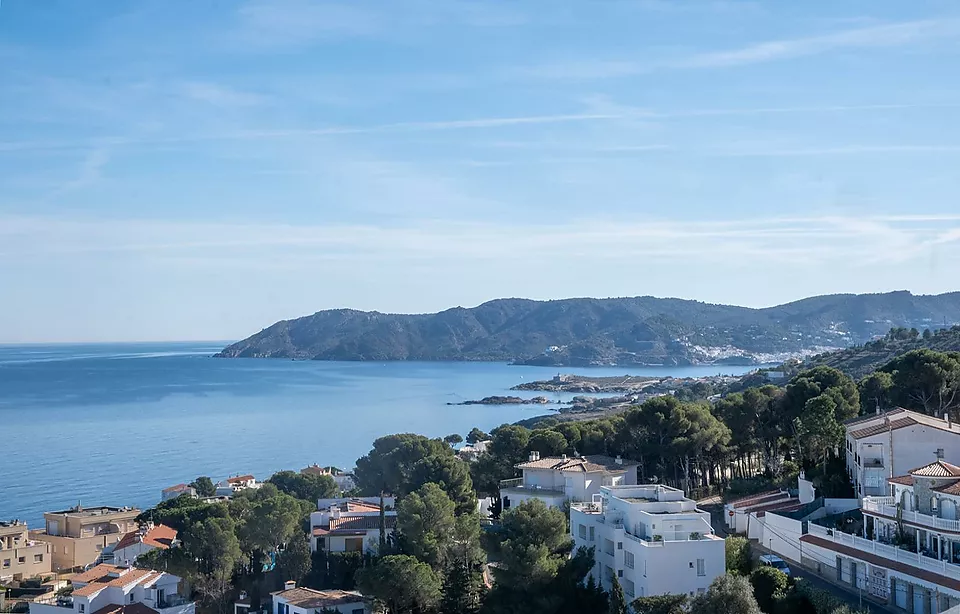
[(591, 385), (499, 400)]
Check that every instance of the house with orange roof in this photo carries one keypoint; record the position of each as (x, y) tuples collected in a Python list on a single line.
[(135, 543), (891, 443), (294, 600), (112, 589), (351, 524), (557, 479)]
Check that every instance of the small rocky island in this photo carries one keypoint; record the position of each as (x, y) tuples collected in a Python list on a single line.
[(596, 385), (498, 400)]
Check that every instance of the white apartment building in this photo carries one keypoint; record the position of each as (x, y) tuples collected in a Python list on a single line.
[(350, 524), (293, 600), (889, 444), (652, 537), (175, 491), (555, 479), (108, 589)]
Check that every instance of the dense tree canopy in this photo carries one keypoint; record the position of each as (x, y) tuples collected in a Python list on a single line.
[(204, 486), (426, 522), (726, 595), (306, 486), (402, 584), (926, 381)]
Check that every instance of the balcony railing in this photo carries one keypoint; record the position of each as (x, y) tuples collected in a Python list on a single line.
[(888, 552), (517, 483), (511, 483), (887, 506)]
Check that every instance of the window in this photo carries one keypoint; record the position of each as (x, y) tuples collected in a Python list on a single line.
[(628, 560), (628, 587), (701, 567), (22, 560), (591, 533), (619, 545), (583, 532), (6, 563), (37, 558), (82, 607), (131, 597), (933, 503), (608, 546), (619, 573)]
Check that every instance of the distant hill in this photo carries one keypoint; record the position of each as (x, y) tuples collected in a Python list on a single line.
[(862, 360), (584, 331)]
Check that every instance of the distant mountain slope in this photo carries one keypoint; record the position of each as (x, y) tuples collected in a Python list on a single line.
[(585, 331), (864, 359)]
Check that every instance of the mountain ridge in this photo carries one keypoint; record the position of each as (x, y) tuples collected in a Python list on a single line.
[(641, 330)]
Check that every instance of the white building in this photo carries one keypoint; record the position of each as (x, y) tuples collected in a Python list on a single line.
[(909, 554), (889, 444), (108, 589), (473, 451), (294, 600), (652, 537), (175, 491), (350, 525), (141, 541), (555, 479), (231, 486)]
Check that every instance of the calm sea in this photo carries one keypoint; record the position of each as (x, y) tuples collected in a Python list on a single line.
[(113, 424)]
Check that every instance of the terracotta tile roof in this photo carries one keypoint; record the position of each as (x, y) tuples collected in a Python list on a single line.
[(876, 429), (308, 598), (362, 506), (939, 469), (910, 570), (160, 536), (903, 480), (130, 608), (320, 532), (949, 489), (89, 590), (874, 416), (360, 523), (239, 478), (594, 462), (95, 574), (759, 498), (176, 487), (100, 576)]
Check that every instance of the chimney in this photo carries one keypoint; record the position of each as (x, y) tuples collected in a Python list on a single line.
[(619, 459), (289, 584), (563, 457), (534, 456), (878, 407)]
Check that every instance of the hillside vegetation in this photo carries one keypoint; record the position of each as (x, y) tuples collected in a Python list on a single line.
[(586, 331), (860, 360)]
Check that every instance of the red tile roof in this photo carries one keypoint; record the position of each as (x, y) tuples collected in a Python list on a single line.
[(176, 487), (160, 536), (594, 462), (903, 480), (939, 469), (310, 599), (876, 429), (107, 575), (949, 489), (97, 574), (239, 478), (360, 523), (770, 495)]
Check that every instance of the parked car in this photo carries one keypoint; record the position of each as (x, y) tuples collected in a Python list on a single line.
[(772, 560)]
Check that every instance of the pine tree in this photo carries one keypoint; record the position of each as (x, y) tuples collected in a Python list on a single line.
[(618, 602), (462, 590)]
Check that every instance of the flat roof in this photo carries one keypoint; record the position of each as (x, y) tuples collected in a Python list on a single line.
[(90, 512)]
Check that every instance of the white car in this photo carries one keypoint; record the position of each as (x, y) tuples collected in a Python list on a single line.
[(772, 560)]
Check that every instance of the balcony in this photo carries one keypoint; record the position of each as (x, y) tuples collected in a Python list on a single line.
[(532, 489), (886, 506), (887, 552)]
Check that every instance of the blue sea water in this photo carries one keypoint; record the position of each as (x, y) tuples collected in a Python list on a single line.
[(113, 424)]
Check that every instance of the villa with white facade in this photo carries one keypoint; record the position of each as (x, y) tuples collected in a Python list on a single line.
[(652, 537), (350, 524), (233, 485), (909, 553), (294, 600), (891, 443), (109, 589), (555, 479)]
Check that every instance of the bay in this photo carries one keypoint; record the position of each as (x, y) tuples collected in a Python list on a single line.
[(114, 424)]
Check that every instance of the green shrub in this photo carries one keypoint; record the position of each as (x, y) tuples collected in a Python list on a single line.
[(738, 555)]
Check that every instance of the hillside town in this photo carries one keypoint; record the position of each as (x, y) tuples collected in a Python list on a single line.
[(895, 542)]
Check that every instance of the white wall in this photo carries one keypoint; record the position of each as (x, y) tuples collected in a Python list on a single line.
[(782, 535)]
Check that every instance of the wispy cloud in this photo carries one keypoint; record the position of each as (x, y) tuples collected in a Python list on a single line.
[(821, 239), (871, 37), (220, 95)]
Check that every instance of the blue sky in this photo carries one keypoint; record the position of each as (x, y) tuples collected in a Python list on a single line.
[(199, 170)]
